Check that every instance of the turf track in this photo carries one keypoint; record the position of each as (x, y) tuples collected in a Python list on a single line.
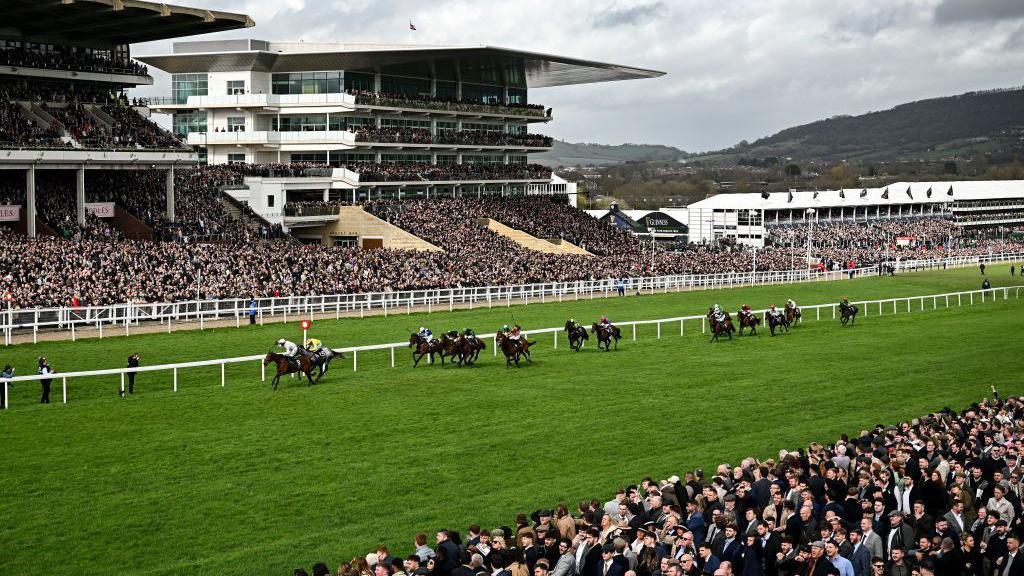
[(240, 480)]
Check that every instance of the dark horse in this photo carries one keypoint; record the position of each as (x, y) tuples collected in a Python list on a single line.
[(719, 328), (606, 335), (284, 366), (322, 360), (748, 321), (577, 335), (793, 314), (422, 347), (780, 321), (457, 345), (513, 349), (847, 313)]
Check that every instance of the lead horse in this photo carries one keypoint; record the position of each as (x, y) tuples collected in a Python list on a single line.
[(577, 335), (719, 328), (847, 314), (284, 366), (422, 347)]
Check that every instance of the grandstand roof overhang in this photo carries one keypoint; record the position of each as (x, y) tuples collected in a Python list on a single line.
[(858, 197), (538, 70), (109, 23)]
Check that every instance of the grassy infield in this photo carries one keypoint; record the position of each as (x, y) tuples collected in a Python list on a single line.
[(241, 480)]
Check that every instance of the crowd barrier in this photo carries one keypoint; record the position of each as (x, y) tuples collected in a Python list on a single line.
[(120, 318), (867, 308)]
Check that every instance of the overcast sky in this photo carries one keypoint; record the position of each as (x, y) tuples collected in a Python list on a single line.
[(737, 69)]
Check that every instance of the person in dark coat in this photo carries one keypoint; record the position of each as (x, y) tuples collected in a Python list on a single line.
[(44, 370), (133, 362), (7, 374), (450, 561)]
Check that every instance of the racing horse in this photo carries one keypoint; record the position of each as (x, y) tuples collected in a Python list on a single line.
[(422, 347), (606, 335), (284, 366), (719, 328), (748, 321), (577, 335), (322, 360), (456, 345), (513, 349), (780, 321), (847, 313), (793, 314)]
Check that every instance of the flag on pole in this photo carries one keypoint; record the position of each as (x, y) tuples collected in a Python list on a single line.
[(842, 194), (411, 27), (950, 193), (863, 192), (885, 195), (929, 192), (790, 196), (815, 197), (909, 195)]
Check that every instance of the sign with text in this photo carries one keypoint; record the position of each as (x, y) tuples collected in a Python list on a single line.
[(100, 209), (10, 213)]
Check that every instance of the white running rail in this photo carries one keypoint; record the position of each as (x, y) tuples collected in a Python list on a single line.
[(901, 305), (120, 318)]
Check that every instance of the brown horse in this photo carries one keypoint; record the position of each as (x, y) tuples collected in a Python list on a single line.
[(577, 335), (284, 366), (606, 335), (719, 328), (748, 321), (455, 345), (793, 314), (513, 349), (422, 347), (781, 321)]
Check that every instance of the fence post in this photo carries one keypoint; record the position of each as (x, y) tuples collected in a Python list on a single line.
[(64, 388), (223, 380), (263, 371), (972, 298), (634, 331), (175, 379), (494, 345), (659, 329), (818, 313), (392, 356), (7, 397), (681, 329), (702, 327), (122, 383), (355, 360)]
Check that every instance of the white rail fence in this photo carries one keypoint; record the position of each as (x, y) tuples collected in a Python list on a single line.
[(867, 308), (119, 319)]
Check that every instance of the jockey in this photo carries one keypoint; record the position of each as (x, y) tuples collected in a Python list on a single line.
[(313, 345), (745, 310), (719, 315), (791, 304), (774, 312), (845, 303), (469, 334), (515, 333), (605, 323), (291, 352), (505, 329), (425, 334)]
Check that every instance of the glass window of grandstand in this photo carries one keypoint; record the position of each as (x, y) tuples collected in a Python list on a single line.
[(404, 158), (482, 93), (188, 121), (447, 159), (185, 85), (355, 123), (447, 90), (517, 159), (482, 127), (400, 85), (516, 128), (236, 158), (354, 158), (358, 82), (748, 217), (309, 123), (236, 87), (308, 83), (483, 159), (517, 96), (236, 124), (446, 126), (404, 123)]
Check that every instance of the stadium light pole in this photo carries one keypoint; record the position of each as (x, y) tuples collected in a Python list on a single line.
[(810, 212)]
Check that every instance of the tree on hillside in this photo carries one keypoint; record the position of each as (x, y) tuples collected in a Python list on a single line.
[(950, 168), (792, 171)]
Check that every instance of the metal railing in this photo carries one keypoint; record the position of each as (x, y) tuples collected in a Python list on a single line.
[(866, 307)]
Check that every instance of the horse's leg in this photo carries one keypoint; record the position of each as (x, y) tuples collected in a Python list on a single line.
[(276, 380)]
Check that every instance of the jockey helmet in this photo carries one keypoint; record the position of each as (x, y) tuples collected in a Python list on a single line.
[(423, 329), (604, 318), (773, 306), (280, 342), (505, 327)]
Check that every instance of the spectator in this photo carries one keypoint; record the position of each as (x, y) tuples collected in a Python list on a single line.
[(7, 374), (133, 362), (45, 370)]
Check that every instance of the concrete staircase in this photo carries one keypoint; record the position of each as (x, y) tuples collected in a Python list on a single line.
[(532, 242), (130, 225), (370, 231)]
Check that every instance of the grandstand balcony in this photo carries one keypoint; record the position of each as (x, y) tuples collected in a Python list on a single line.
[(322, 139), (283, 103), (114, 76)]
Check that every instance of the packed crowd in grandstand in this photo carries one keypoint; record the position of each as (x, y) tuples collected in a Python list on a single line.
[(455, 137), (369, 98), (940, 494), (243, 256), (68, 58)]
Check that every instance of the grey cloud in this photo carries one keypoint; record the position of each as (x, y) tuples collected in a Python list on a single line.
[(616, 16), (956, 11)]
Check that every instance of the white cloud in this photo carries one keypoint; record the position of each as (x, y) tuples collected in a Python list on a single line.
[(738, 69)]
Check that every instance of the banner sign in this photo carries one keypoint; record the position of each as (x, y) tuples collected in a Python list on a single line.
[(100, 209), (10, 213)]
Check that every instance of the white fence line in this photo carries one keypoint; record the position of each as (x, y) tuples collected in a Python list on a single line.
[(120, 318), (962, 298)]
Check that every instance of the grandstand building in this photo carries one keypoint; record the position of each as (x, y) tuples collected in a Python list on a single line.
[(62, 66), (746, 218), (394, 120)]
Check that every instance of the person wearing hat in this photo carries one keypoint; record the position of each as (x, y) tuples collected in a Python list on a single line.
[(900, 534), (609, 567), (816, 564), (647, 561)]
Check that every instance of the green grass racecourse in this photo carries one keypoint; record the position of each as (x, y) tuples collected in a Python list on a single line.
[(242, 480)]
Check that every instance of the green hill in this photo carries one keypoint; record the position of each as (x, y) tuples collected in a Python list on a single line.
[(569, 154), (972, 124)]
